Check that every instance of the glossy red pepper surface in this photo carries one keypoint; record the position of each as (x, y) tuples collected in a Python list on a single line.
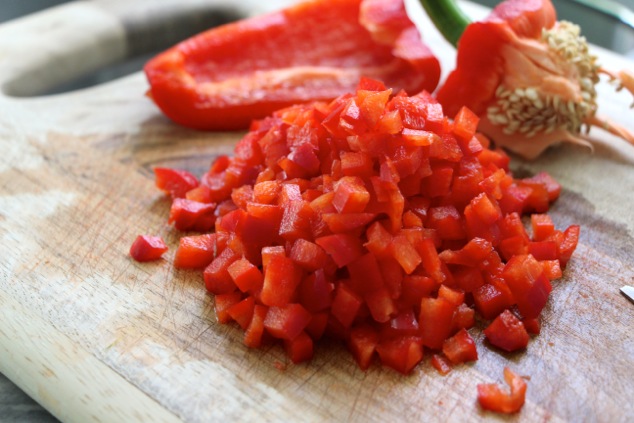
[(376, 220), (147, 248), (492, 397), (317, 50)]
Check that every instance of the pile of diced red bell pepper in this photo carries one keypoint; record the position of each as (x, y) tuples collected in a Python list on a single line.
[(376, 220)]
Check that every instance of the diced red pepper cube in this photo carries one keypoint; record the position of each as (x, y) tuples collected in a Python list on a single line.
[(351, 195), (316, 292), (281, 278), (405, 323), (401, 354), (347, 222), (415, 288), (552, 269), (222, 303), (308, 255), (362, 344), (197, 251), (254, 333), (530, 287), (272, 251), (356, 163), (175, 182), (441, 363), (147, 248), (435, 321), (446, 148), (295, 221), (365, 274), (513, 246), (372, 105), (420, 138), (543, 250), (454, 296), (381, 305), (242, 312), (305, 157), (379, 240), (345, 305), (261, 225), (486, 209), (569, 244), (507, 332), (246, 276), (465, 123), (515, 198), (463, 317), (242, 195), (532, 326), (472, 254), (478, 228), (492, 397), (405, 253), (266, 192), (542, 226), (537, 200), (343, 248), (390, 123), (552, 187), (216, 275), (318, 324), (286, 322), (446, 221), (460, 348), (190, 215), (490, 300), (438, 184), (300, 348), (393, 275), (430, 260)]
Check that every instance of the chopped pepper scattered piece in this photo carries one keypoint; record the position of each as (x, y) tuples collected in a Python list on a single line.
[(147, 248), (373, 219), (492, 397)]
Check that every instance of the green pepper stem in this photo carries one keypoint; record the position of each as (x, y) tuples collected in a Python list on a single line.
[(448, 18)]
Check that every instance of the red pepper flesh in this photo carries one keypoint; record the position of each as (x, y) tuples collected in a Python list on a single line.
[(147, 248), (223, 78)]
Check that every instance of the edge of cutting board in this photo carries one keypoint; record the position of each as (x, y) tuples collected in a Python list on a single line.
[(85, 388)]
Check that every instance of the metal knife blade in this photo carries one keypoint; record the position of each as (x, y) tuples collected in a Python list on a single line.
[(628, 291)]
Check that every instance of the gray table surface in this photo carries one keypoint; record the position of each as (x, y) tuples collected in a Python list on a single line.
[(18, 407)]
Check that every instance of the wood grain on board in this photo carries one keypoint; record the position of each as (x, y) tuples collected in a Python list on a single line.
[(93, 335)]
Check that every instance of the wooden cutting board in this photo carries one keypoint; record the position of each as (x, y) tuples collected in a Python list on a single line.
[(94, 336)]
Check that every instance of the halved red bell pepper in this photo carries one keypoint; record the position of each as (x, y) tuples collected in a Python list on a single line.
[(317, 50), (530, 78)]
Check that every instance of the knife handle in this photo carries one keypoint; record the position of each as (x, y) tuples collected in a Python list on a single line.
[(60, 44)]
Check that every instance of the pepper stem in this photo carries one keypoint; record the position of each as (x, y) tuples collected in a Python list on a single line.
[(447, 17)]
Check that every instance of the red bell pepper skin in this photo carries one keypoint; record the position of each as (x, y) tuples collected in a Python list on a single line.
[(507, 332), (514, 70), (492, 397), (479, 65), (147, 248), (225, 77)]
